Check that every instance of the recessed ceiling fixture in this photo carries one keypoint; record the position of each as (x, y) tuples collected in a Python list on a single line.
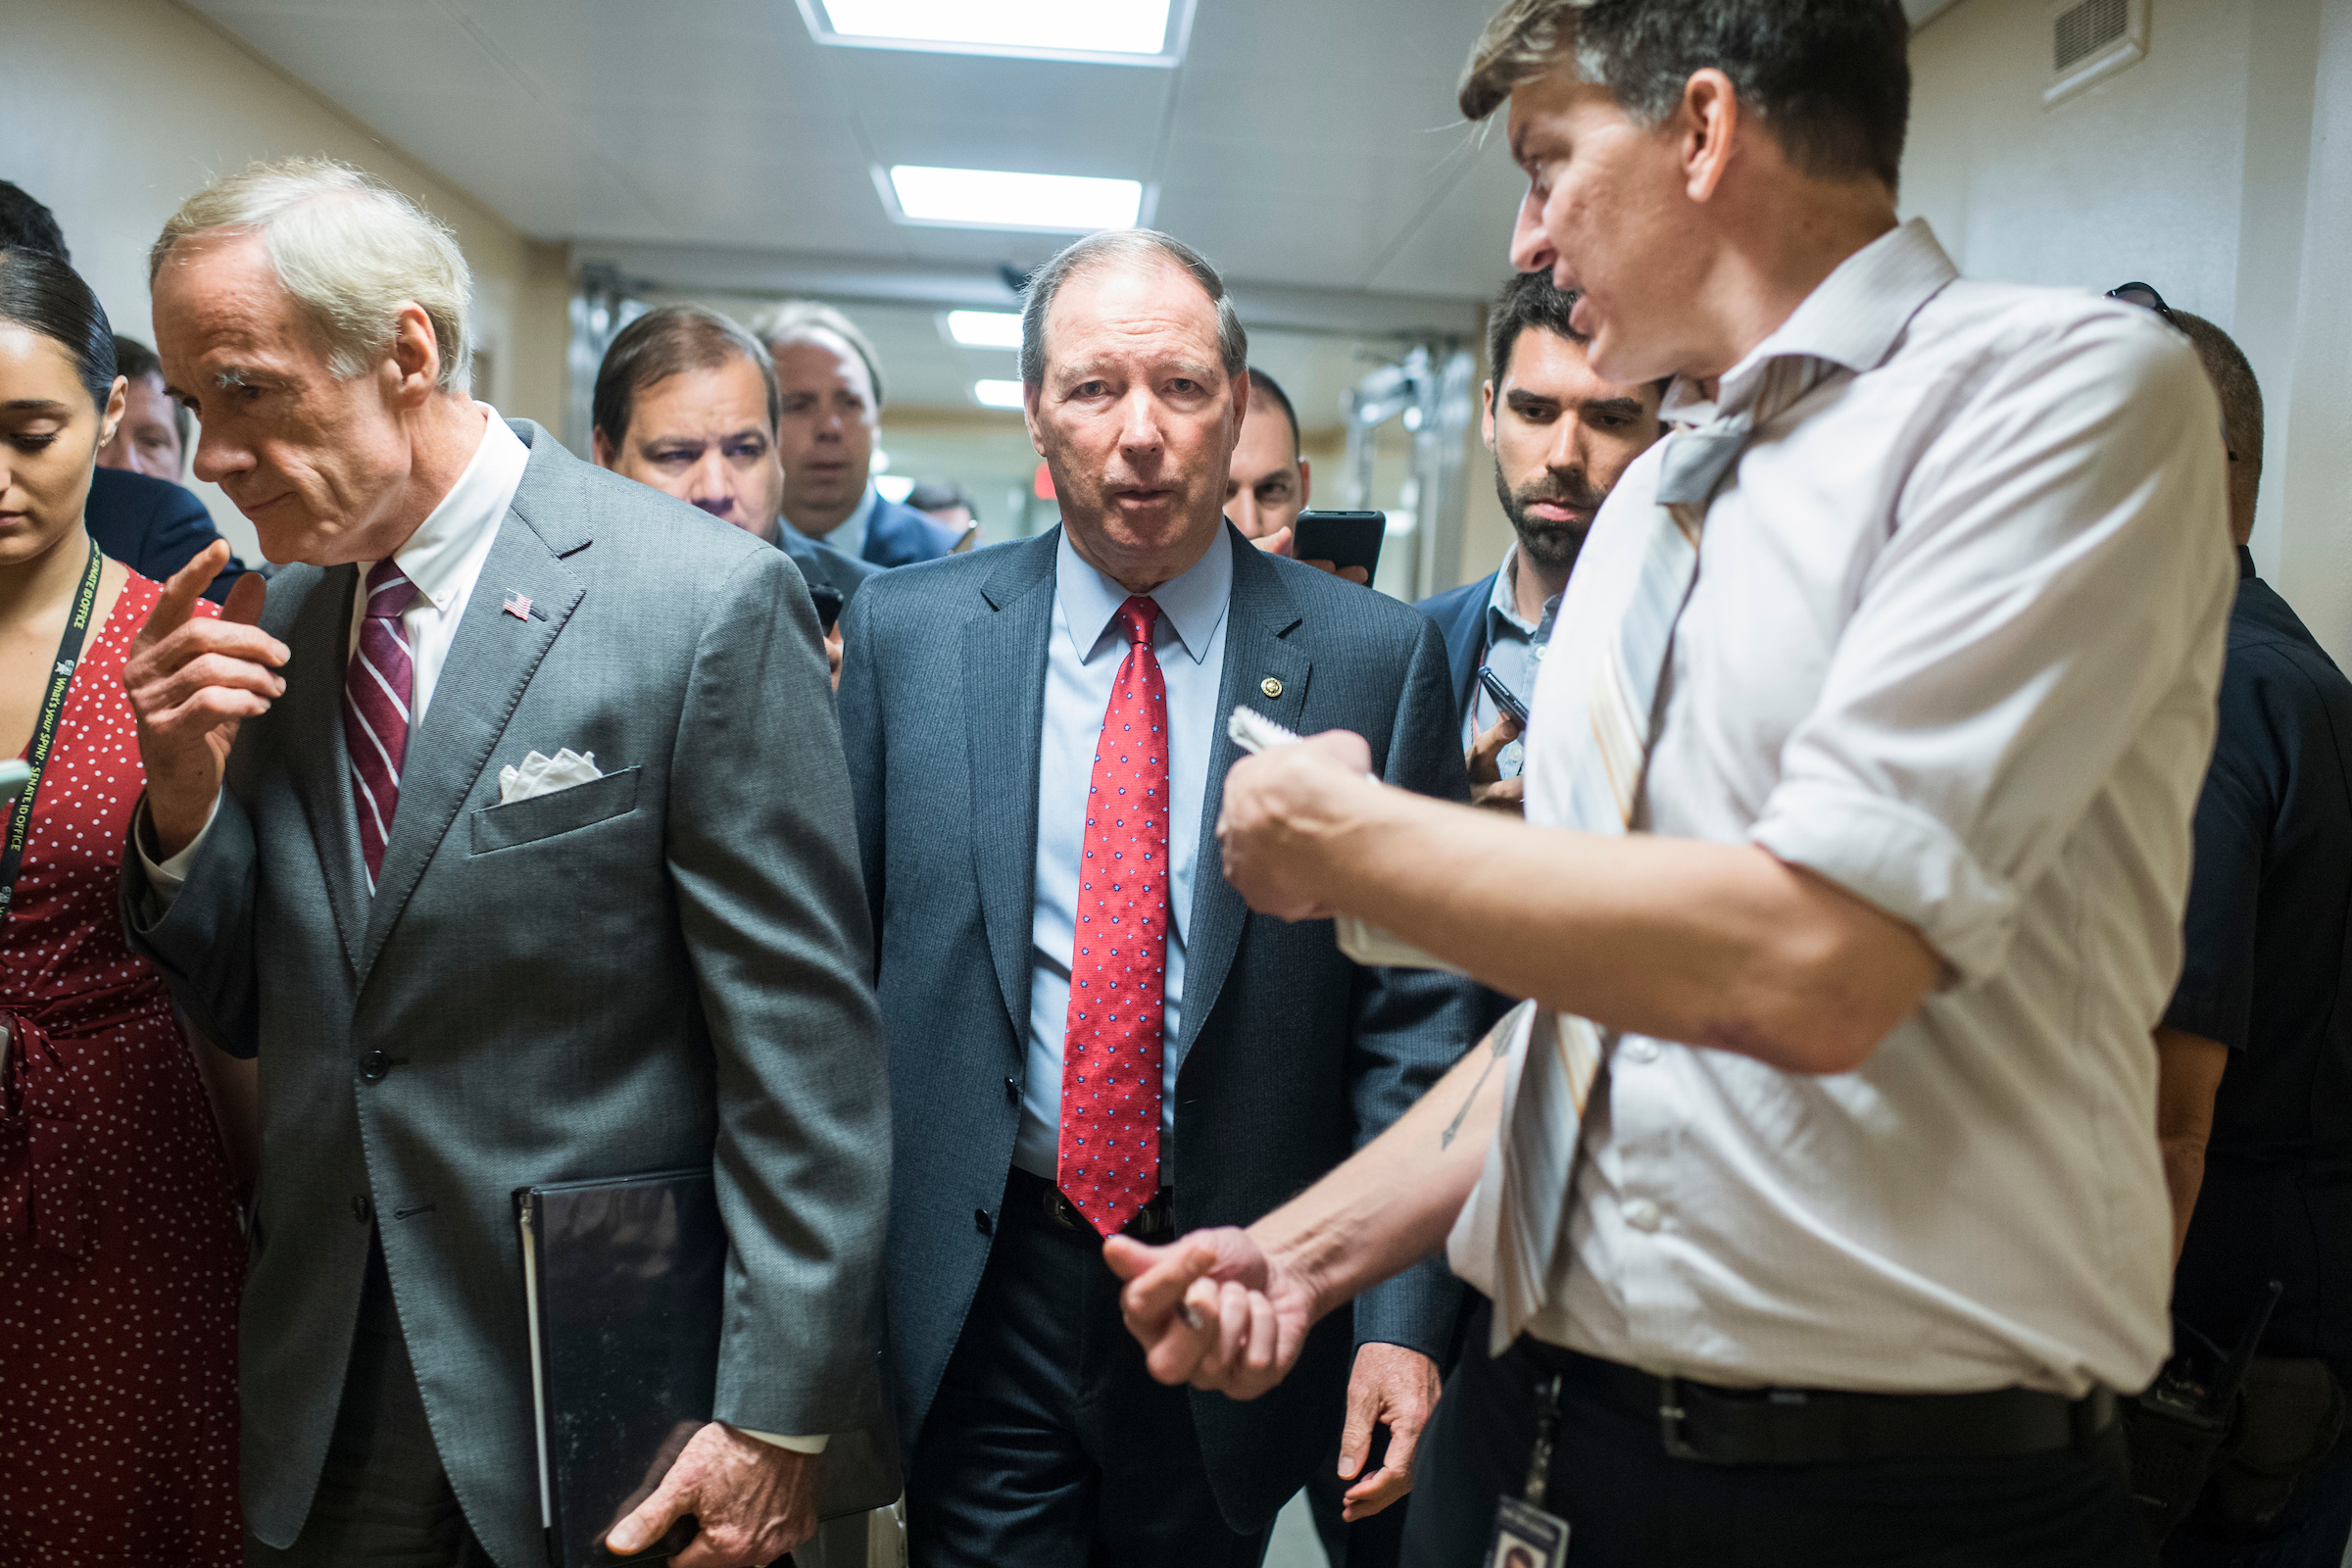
[(985, 330), (1117, 32), (996, 198), (997, 394)]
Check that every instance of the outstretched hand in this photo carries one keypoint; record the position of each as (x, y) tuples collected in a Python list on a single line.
[(1393, 1386), (193, 682), (1213, 1310)]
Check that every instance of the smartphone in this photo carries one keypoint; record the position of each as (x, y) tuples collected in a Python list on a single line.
[(1342, 538), (1506, 703), (828, 603)]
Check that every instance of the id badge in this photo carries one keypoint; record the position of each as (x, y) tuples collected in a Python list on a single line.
[(1526, 1536)]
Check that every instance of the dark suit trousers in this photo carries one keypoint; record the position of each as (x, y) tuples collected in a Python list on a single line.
[(383, 1499), (1049, 1445), (1630, 1506)]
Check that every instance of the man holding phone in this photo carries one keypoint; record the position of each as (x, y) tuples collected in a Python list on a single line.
[(1562, 436), (686, 401)]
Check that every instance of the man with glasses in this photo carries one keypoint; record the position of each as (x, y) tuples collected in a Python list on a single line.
[(1813, 1188)]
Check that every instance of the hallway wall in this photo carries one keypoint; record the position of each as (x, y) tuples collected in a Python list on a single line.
[(2219, 168), (112, 111)]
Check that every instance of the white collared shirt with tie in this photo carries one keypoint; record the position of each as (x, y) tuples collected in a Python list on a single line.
[(444, 558), (1952, 646)]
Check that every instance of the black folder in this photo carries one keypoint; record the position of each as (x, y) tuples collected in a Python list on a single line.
[(622, 1280)]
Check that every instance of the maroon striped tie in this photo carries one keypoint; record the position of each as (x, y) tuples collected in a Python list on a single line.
[(376, 689)]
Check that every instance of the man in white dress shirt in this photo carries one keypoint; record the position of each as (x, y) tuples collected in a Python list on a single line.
[(1860, 780)]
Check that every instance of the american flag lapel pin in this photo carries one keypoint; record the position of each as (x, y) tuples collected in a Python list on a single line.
[(516, 606)]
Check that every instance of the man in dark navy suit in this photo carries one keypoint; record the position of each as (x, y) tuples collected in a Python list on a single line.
[(154, 526), (832, 397), (1561, 436), (1090, 1035)]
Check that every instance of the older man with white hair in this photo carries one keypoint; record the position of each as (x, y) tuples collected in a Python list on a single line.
[(458, 980)]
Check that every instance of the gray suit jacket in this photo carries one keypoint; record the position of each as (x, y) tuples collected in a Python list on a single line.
[(1291, 1056), (665, 967)]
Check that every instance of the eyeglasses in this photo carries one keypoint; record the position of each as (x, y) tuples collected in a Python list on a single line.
[(2144, 296)]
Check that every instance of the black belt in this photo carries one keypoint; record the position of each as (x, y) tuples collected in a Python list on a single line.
[(1152, 1223), (1829, 1426)]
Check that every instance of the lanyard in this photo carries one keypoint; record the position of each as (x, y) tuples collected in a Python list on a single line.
[(44, 733)]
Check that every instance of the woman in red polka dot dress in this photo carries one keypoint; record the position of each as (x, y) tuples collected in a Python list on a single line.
[(119, 1254)]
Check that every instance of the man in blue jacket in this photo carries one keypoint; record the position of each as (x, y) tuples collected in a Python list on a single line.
[(1561, 436), (1089, 1035), (831, 382)]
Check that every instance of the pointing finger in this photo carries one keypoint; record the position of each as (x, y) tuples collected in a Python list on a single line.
[(1129, 1257), (1156, 1293), (178, 602)]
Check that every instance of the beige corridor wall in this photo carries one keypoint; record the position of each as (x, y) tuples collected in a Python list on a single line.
[(2218, 169), (113, 111)]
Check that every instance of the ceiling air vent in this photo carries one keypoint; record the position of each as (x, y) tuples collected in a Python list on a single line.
[(2091, 40)]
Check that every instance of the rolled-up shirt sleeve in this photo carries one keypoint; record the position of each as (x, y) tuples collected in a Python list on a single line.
[(2059, 552)]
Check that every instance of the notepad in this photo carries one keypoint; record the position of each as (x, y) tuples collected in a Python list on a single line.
[(1360, 940), (624, 1281)]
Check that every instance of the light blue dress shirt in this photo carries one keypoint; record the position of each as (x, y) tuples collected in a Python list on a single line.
[(1514, 651), (849, 535), (1083, 654)]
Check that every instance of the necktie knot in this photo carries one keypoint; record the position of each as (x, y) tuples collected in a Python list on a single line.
[(1140, 614), (389, 591)]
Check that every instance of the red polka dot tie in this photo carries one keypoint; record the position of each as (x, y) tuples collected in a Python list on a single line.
[(1111, 1052)]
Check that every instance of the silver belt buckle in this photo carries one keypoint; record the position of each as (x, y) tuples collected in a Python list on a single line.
[(1671, 1416)]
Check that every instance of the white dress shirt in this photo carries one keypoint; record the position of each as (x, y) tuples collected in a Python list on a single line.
[(444, 559), (1083, 655), (1953, 645)]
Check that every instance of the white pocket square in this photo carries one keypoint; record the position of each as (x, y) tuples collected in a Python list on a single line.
[(544, 775)]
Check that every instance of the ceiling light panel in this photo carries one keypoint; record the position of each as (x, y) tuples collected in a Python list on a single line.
[(997, 394), (1128, 32), (994, 198), (985, 330)]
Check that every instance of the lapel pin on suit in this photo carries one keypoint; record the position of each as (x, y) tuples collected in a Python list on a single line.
[(1270, 686), (516, 606)]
